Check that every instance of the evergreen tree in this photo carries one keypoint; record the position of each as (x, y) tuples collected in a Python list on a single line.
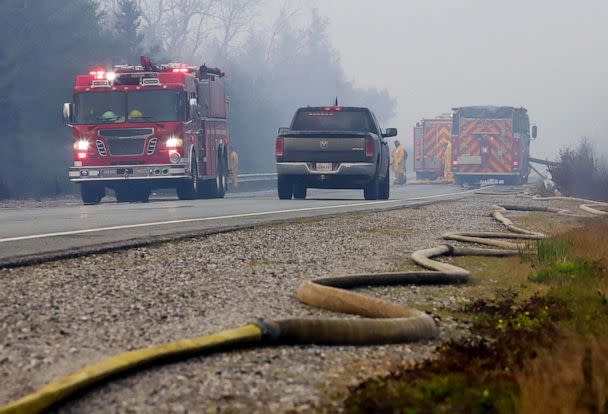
[(43, 46), (127, 30)]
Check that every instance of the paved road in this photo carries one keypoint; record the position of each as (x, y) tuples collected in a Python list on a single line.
[(29, 232)]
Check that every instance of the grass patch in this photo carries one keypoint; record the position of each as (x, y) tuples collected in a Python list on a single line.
[(531, 350)]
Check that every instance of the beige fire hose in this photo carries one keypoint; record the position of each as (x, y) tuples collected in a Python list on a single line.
[(382, 321)]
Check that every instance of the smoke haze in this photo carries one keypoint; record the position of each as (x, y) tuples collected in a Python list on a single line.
[(407, 60), (548, 56)]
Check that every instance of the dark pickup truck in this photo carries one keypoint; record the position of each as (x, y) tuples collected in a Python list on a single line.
[(333, 147)]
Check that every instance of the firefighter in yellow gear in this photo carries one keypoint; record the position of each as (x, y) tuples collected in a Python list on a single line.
[(447, 162), (234, 168), (398, 162)]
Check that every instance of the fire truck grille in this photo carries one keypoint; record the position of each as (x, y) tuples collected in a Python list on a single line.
[(151, 146), (127, 141), (126, 146), (101, 148)]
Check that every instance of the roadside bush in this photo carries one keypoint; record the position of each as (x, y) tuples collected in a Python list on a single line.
[(581, 173)]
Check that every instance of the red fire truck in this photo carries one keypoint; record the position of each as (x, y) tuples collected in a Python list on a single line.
[(430, 139), (491, 142), (137, 128)]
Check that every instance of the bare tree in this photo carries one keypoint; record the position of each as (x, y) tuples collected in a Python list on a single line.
[(234, 17), (179, 26)]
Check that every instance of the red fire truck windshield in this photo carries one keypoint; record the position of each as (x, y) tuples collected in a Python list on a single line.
[(133, 106)]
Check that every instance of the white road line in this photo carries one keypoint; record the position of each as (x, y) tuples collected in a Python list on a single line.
[(201, 219)]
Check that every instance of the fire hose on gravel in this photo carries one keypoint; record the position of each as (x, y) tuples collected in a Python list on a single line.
[(382, 322)]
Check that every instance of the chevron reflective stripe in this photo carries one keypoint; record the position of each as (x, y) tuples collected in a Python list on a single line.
[(491, 139)]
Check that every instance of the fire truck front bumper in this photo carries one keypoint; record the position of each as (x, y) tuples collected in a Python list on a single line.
[(128, 172)]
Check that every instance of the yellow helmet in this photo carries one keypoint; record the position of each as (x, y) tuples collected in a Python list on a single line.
[(135, 113), (108, 115)]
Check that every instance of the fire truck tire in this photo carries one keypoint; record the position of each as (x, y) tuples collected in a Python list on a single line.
[(92, 193), (384, 191), (189, 188), (371, 190), (299, 192), (221, 181), (284, 188)]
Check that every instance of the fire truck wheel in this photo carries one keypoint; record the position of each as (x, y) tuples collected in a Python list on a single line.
[(299, 192), (221, 180), (384, 191), (189, 188), (284, 188), (92, 193)]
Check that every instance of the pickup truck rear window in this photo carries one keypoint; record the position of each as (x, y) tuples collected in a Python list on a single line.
[(313, 120)]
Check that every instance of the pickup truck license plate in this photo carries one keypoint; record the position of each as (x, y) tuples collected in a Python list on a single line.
[(324, 166)]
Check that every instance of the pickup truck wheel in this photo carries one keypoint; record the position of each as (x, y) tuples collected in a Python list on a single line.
[(284, 188), (371, 190), (91, 193), (384, 191), (188, 189), (299, 192)]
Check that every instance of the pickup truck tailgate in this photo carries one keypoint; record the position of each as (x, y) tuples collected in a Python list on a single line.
[(324, 147)]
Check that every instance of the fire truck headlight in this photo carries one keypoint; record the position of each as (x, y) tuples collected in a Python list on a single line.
[(81, 145), (111, 76), (174, 142)]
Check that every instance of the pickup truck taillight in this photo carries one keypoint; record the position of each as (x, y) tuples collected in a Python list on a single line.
[(369, 147), (279, 147)]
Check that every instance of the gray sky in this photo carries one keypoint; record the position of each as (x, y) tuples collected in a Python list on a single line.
[(550, 56)]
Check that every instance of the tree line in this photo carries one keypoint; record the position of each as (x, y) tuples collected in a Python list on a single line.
[(272, 68)]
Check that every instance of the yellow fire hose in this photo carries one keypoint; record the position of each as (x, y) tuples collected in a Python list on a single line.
[(383, 322)]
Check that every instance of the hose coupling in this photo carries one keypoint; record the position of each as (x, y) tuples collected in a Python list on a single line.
[(270, 330)]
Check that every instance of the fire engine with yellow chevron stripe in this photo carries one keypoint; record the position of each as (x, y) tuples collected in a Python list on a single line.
[(137, 128), (431, 139), (491, 143)]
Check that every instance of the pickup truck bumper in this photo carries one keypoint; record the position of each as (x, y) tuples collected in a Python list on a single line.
[(365, 169), (346, 175), (128, 172)]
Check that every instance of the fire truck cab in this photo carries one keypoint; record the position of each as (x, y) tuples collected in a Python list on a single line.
[(136, 128)]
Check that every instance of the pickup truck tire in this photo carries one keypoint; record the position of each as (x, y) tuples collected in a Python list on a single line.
[(189, 188), (284, 188), (92, 193), (384, 192), (299, 192), (371, 190)]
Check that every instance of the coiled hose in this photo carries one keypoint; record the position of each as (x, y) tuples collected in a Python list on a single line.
[(382, 321)]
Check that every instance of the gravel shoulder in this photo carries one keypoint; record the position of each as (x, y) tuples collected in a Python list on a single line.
[(59, 316)]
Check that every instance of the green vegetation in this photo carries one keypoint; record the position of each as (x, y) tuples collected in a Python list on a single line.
[(543, 353), (581, 173)]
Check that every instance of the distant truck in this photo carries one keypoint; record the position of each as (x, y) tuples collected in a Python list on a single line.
[(430, 139), (333, 147), (137, 128), (491, 142)]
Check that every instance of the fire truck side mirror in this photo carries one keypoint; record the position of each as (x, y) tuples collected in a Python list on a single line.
[(194, 109), (534, 131), (68, 113)]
